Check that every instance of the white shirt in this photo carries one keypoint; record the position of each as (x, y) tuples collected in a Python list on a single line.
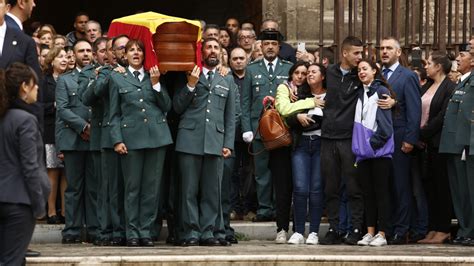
[(3, 31), (315, 111), (274, 62), (156, 87), (16, 19), (392, 69), (463, 77)]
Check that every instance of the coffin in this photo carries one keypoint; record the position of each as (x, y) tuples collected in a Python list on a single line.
[(171, 42), (175, 46)]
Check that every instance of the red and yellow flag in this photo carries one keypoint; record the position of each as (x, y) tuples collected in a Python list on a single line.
[(142, 26)]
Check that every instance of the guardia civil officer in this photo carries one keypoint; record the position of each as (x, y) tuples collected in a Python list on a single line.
[(140, 134)]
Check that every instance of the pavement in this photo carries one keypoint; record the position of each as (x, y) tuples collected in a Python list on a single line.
[(258, 249)]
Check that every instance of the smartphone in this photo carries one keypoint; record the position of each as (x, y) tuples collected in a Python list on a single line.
[(301, 47)]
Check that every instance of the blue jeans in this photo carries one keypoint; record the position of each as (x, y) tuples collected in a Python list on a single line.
[(307, 183)]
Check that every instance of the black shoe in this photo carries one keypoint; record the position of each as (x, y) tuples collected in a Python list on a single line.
[(62, 219), (331, 238), (71, 239), (133, 242), (52, 219), (261, 218), (397, 240), (232, 239), (146, 242), (209, 242), (224, 242), (468, 242), (32, 253), (91, 238), (170, 240), (459, 240), (118, 241), (415, 237), (353, 237), (192, 242), (102, 242), (180, 243)]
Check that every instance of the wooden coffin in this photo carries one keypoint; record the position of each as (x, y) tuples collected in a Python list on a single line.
[(175, 46)]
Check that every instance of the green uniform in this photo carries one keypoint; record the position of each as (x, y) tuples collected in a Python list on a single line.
[(207, 125), (257, 84), (81, 192), (138, 119), (454, 138)]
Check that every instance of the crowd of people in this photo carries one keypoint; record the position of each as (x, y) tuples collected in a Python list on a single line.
[(379, 148)]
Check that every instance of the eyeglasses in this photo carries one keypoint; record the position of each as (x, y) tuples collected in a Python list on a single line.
[(246, 38)]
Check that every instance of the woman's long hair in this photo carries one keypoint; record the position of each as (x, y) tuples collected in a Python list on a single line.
[(378, 76)]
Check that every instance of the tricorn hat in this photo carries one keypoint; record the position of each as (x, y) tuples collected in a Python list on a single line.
[(465, 47), (270, 35)]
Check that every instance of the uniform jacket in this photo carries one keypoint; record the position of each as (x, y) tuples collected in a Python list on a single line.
[(71, 114), (450, 125), (465, 119), (23, 177), (431, 132), (86, 82), (258, 84), (407, 88), (138, 113), (372, 136), (207, 116)]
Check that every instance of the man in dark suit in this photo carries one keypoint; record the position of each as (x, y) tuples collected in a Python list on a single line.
[(206, 106), (20, 11), (406, 125)]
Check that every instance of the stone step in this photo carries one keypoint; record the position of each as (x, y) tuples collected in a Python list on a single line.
[(253, 252), (46, 233)]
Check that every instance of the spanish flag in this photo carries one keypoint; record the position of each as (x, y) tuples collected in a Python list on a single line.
[(143, 26)]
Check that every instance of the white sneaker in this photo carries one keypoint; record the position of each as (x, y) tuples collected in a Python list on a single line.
[(365, 241), (378, 241), (281, 237), (296, 238), (312, 239)]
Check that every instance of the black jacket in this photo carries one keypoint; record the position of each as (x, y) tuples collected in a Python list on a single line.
[(47, 100), (431, 132), (341, 99)]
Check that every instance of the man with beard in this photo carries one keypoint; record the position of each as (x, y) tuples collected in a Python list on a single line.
[(72, 139), (262, 78), (206, 106), (79, 32), (110, 200), (89, 98)]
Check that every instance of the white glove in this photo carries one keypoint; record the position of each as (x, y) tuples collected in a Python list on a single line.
[(247, 136)]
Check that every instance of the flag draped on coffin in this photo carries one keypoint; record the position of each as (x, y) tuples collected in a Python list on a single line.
[(142, 26)]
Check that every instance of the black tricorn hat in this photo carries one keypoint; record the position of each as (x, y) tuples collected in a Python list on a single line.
[(273, 35), (465, 47)]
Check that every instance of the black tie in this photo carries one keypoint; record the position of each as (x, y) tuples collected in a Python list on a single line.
[(385, 72), (270, 69), (136, 73), (210, 75)]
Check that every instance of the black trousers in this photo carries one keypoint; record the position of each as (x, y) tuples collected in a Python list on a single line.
[(280, 167), (438, 193), (16, 228), (374, 180), (337, 160)]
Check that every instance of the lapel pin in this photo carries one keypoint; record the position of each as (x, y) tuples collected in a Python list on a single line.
[(14, 42)]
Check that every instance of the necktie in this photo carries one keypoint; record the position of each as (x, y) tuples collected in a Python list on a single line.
[(136, 73), (385, 72), (270, 69), (210, 75)]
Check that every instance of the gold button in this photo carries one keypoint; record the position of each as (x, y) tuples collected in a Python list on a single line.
[(207, 120), (124, 125), (209, 101), (100, 124), (207, 110), (139, 90), (145, 120), (141, 100), (164, 120), (143, 110), (73, 93)]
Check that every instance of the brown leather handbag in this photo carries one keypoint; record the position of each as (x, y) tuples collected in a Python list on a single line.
[(273, 131)]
